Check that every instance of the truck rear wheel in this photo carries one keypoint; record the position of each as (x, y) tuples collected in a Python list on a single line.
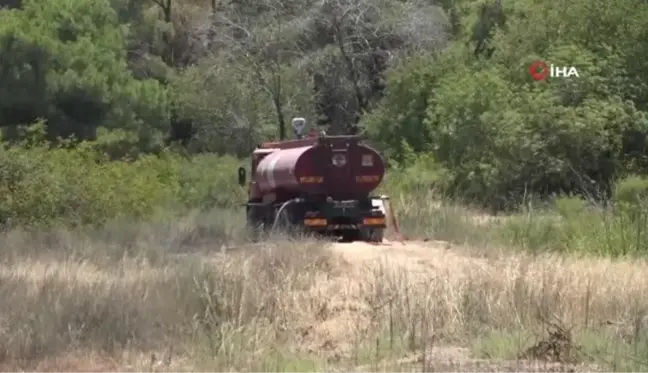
[(375, 235)]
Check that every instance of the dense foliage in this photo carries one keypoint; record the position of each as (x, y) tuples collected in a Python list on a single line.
[(138, 100), (501, 135)]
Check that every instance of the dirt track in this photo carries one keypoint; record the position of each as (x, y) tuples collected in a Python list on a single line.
[(409, 253), (422, 261)]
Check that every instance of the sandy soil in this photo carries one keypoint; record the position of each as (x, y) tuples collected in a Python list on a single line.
[(408, 253)]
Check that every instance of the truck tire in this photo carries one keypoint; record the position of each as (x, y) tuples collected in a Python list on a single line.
[(255, 224), (374, 235), (350, 236)]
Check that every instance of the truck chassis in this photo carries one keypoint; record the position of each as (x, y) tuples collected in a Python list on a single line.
[(349, 220)]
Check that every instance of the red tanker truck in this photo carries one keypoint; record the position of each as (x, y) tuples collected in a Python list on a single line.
[(319, 184)]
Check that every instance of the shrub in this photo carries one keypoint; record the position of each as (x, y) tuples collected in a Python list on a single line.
[(632, 190), (42, 184)]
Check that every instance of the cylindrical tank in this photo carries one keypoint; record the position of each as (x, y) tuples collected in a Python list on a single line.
[(325, 170)]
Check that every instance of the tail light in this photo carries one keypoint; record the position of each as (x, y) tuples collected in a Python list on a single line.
[(315, 222), (373, 221), (311, 180)]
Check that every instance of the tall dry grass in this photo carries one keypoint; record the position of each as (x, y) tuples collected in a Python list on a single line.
[(500, 305), (167, 291), (169, 296)]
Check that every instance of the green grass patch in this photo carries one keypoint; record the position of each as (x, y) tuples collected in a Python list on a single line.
[(501, 344), (607, 348)]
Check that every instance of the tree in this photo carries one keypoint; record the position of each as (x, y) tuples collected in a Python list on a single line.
[(501, 136), (367, 37), (262, 48), (65, 62)]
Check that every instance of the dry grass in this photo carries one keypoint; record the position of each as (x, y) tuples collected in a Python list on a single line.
[(164, 297), (426, 296)]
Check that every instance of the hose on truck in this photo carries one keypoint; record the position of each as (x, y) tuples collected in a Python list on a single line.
[(281, 209)]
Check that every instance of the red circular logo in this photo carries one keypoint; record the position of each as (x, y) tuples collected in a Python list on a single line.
[(539, 70)]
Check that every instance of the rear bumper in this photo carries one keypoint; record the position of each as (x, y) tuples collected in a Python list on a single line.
[(344, 215), (323, 224)]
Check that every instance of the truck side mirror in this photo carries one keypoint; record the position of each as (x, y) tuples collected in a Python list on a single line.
[(241, 176)]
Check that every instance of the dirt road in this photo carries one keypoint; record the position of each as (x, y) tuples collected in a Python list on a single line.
[(403, 252), (414, 263)]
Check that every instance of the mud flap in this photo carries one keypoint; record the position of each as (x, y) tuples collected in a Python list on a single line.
[(387, 208)]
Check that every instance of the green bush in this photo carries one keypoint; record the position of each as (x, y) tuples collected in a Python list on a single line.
[(208, 181), (632, 190), (502, 136), (44, 185), (418, 173)]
